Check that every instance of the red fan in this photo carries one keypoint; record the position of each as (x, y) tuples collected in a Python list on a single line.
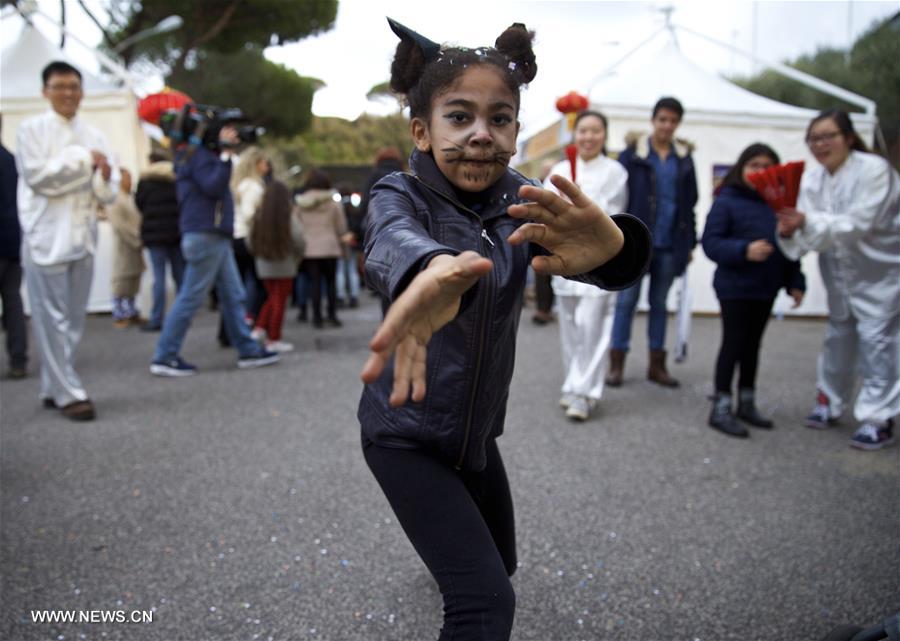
[(151, 107), (572, 155), (779, 185)]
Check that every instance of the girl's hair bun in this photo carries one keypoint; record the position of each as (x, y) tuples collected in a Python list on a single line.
[(407, 67), (515, 44)]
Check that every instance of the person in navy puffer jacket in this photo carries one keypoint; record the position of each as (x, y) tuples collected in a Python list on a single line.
[(740, 238)]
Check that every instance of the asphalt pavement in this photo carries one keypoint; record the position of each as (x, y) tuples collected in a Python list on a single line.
[(236, 505)]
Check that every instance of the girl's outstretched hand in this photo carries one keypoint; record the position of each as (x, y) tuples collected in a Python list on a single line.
[(429, 302), (578, 234)]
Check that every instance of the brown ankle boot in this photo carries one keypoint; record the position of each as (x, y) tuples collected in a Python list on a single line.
[(616, 367), (657, 371)]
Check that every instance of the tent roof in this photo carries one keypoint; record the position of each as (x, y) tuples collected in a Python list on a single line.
[(640, 80), (23, 61)]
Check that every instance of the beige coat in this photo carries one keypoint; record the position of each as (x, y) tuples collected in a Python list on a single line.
[(128, 263), (323, 223)]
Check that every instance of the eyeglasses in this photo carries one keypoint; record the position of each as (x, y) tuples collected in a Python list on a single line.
[(61, 87), (820, 138)]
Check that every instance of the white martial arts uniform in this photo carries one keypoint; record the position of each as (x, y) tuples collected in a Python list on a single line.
[(59, 193), (853, 221), (586, 312)]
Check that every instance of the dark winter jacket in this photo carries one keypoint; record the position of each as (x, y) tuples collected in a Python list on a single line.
[(413, 218), (739, 216), (158, 203), (642, 193), (204, 196), (10, 229)]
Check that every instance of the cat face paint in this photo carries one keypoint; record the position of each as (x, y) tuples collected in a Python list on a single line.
[(472, 130)]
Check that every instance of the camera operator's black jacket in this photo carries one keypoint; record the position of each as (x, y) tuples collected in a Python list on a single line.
[(414, 217)]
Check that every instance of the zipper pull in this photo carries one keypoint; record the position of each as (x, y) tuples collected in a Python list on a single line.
[(484, 235)]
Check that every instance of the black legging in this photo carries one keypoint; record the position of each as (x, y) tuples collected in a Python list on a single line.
[(461, 524), (743, 324), (316, 269)]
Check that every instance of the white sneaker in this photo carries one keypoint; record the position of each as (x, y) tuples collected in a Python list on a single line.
[(581, 408), (258, 334), (279, 346), (566, 400)]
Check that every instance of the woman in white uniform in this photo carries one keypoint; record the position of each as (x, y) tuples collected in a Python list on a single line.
[(586, 312), (849, 212)]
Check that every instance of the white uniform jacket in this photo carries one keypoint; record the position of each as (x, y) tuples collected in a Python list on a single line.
[(59, 192), (853, 221), (605, 182)]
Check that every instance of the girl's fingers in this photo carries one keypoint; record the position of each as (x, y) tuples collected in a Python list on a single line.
[(571, 190), (418, 374), (552, 264), (532, 211), (373, 367), (403, 369), (529, 232)]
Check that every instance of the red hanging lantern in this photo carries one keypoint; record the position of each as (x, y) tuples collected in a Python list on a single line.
[(151, 107), (570, 105)]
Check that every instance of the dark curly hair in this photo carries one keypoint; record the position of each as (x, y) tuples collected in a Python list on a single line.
[(420, 80)]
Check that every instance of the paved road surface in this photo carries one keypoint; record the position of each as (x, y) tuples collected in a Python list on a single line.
[(235, 505)]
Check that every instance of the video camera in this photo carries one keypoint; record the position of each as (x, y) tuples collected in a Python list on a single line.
[(200, 125)]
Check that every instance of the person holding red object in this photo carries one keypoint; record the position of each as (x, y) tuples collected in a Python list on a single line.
[(275, 239), (740, 238), (849, 212)]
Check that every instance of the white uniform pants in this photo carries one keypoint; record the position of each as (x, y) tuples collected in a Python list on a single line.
[(585, 330), (871, 347), (58, 295)]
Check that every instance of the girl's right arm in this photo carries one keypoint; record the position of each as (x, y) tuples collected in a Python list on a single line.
[(718, 244)]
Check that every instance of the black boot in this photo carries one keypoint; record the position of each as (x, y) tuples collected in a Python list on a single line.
[(723, 420), (747, 410)]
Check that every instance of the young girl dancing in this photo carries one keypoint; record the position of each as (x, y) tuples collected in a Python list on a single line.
[(276, 240), (447, 248)]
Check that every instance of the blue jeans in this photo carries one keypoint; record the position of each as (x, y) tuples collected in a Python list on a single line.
[(159, 256), (662, 274), (210, 261), (347, 280)]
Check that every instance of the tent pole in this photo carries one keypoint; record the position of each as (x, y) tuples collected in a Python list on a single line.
[(795, 74)]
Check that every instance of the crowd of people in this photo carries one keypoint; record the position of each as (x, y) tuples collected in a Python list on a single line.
[(448, 245)]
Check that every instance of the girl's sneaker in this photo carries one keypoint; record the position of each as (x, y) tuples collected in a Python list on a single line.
[(821, 417), (566, 400), (258, 334), (279, 346), (581, 408), (872, 436)]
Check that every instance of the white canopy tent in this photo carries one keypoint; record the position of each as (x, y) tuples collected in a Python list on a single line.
[(111, 109), (721, 120)]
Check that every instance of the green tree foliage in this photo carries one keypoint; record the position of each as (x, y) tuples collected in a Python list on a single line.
[(224, 26), (271, 95), (869, 69), (335, 141)]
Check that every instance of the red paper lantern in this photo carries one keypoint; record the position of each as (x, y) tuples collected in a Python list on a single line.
[(570, 105), (151, 107)]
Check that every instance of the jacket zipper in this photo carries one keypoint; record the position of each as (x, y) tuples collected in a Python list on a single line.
[(486, 240)]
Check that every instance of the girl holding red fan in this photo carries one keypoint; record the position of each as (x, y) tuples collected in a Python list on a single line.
[(586, 312), (849, 212), (740, 238)]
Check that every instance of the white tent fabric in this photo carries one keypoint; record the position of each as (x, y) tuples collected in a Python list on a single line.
[(721, 120), (111, 109)]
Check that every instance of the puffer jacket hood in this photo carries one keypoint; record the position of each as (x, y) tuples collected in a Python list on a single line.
[(415, 217), (640, 140), (314, 197)]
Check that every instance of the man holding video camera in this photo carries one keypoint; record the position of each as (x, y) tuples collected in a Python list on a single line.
[(207, 222)]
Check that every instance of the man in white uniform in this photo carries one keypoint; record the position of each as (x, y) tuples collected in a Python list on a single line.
[(64, 176)]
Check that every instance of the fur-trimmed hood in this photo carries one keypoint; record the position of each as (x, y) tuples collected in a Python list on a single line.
[(640, 140), (313, 198), (160, 170)]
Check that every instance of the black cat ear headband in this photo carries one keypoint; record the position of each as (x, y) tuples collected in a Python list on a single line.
[(430, 49)]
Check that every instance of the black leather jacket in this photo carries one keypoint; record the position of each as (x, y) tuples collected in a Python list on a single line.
[(414, 217)]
